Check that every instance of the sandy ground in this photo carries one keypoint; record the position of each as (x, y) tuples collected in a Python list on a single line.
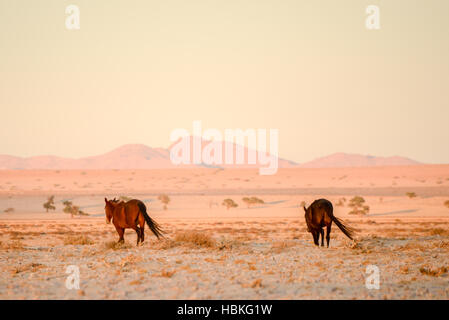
[(261, 252)]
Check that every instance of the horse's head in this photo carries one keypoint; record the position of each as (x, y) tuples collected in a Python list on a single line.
[(307, 220), (109, 209)]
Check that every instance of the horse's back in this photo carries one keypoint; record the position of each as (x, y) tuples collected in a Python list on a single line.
[(322, 204), (322, 211), (134, 203), (127, 212)]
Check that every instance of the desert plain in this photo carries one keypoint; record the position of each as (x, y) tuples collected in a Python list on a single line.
[(262, 251)]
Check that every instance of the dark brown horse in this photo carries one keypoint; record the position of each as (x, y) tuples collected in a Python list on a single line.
[(319, 215), (131, 214)]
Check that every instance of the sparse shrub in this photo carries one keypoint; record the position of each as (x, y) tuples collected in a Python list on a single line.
[(229, 203), (252, 201), (228, 244), (196, 238), (82, 213), (165, 199), (50, 204), (114, 245), (358, 205), (255, 284), (411, 195), (404, 270), (32, 267), (280, 246), (439, 232), (78, 240), (124, 198), (13, 245), (164, 244), (8, 210), (165, 274), (303, 204), (73, 210), (433, 272)]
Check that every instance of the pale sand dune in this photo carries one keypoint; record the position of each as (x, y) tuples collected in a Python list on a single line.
[(262, 252)]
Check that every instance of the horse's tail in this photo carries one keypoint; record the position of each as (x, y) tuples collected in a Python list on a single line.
[(158, 232), (348, 231)]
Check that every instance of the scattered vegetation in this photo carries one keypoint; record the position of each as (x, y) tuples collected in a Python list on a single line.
[(228, 244), (229, 203), (303, 204), (80, 239), (32, 267), (165, 274), (13, 245), (404, 270), (255, 284), (446, 203), (165, 199), (433, 272), (72, 209), (439, 232), (114, 245), (280, 246), (50, 204), (411, 195), (358, 205), (252, 201), (8, 210), (198, 239)]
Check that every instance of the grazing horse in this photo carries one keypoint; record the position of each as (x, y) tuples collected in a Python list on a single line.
[(319, 215), (131, 214)]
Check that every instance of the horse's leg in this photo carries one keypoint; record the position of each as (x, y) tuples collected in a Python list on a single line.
[(142, 232), (121, 232), (137, 229), (322, 237), (315, 237), (328, 237)]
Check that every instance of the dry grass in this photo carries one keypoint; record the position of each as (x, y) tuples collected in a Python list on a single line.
[(130, 260), (33, 267), (280, 246), (434, 272), (114, 245), (196, 239), (163, 244), (228, 244), (442, 244), (78, 240), (404, 270), (13, 245), (255, 284), (439, 232), (165, 274)]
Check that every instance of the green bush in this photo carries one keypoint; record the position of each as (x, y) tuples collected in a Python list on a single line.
[(229, 203), (358, 205)]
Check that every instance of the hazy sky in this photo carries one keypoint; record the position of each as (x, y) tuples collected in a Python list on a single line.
[(136, 70)]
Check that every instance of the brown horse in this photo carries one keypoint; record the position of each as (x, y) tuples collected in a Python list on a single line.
[(131, 214), (319, 215)]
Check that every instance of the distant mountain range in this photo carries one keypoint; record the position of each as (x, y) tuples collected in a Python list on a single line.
[(138, 156), (340, 160)]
